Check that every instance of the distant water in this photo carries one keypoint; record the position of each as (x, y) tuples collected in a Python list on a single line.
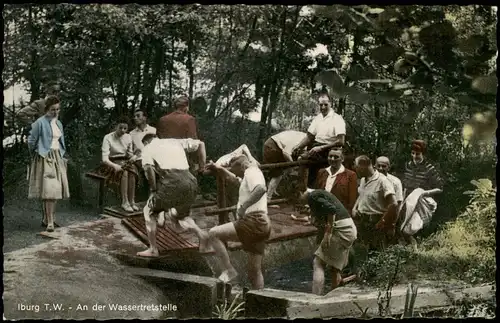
[(295, 276)]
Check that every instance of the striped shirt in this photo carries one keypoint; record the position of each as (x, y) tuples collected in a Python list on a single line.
[(423, 175)]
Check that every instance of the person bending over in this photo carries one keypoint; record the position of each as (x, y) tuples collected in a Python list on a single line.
[(337, 231), (176, 187), (253, 226)]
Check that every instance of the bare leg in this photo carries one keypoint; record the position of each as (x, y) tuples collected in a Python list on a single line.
[(273, 184), (318, 276), (224, 232), (49, 209), (44, 213), (131, 192), (189, 224), (124, 192), (336, 278), (255, 271), (152, 251)]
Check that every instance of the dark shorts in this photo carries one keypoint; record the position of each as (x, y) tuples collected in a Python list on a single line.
[(313, 169), (273, 154), (176, 189), (253, 232)]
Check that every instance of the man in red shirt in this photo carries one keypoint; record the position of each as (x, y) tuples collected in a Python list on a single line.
[(178, 124)]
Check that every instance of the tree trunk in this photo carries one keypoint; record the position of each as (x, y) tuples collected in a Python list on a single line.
[(189, 61), (32, 72)]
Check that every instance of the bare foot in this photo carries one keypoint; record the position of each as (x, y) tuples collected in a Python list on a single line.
[(148, 253), (302, 219), (228, 275), (204, 243)]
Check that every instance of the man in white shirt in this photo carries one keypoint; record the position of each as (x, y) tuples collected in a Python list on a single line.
[(278, 149), (176, 188), (142, 128), (253, 226), (375, 209), (383, 165), (326, 131)]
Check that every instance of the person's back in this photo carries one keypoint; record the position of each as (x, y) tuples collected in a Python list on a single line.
[(178, 124), (288, 139)]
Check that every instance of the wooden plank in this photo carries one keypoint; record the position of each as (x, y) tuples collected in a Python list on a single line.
[(233, 208), (302, 162)]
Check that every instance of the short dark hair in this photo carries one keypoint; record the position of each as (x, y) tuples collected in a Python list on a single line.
[(324, 92), (50, 101), (181, 102), (51, 86), (363, 159), (144, 113), (148, 137), (123, 119)]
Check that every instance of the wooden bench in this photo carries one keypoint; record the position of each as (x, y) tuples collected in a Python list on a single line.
[(102, 186)]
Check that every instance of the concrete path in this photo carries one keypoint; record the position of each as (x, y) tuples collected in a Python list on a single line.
[(76, 277)]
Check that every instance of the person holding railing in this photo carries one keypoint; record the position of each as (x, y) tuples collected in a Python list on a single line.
[(326, 131), (175, 190), (253, 227), (278, 149)]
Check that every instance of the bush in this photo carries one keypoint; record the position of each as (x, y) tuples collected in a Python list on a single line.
[(463, 249)]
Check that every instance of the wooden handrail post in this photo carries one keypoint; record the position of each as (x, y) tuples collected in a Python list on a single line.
[(221, 198)]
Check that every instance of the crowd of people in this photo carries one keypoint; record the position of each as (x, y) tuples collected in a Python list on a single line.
[(377, 210)]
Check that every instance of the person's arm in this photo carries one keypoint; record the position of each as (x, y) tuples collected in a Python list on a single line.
[(191, 130), (148, 166), (305, 142), (28, 113), (352, 191), (339, 141), (105, 150), (34, 136), (436, 181), (340, 131), (257, 185), (192, 145), (388, 220)]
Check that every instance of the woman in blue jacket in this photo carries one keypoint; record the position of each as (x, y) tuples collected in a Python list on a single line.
[(48, 180)]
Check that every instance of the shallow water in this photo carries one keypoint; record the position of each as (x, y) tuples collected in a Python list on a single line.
[(295, 276)]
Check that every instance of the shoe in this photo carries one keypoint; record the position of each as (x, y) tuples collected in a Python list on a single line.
[(135, 207), (127, 208), (44, 224)]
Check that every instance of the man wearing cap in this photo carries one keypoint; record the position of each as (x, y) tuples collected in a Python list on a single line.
[(376, 206), (383, 165)]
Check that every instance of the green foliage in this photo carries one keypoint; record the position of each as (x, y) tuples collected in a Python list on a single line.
[(463, 249)]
